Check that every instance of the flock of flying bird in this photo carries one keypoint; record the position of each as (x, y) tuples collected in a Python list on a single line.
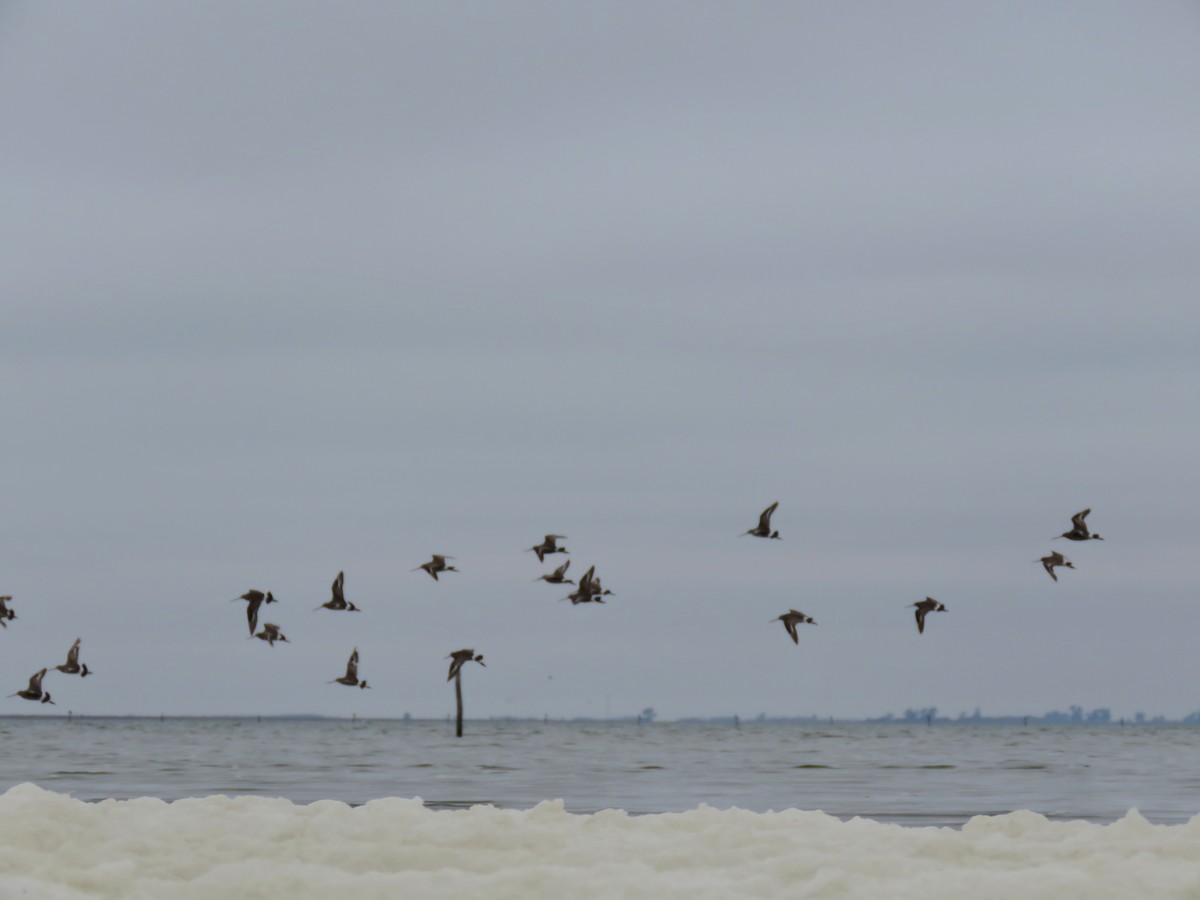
[(71, 667), (793, 617), (588, 590)]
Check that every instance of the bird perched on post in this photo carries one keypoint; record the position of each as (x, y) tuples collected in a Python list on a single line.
[(459, 657)]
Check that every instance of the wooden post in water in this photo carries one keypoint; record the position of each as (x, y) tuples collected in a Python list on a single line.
[(460, 657), (458, 697)]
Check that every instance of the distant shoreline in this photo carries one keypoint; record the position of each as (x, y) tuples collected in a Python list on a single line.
[(887, 719)]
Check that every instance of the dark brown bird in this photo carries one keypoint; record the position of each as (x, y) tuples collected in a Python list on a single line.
[(254, 599), (5, 612), (72, 666), (338, 601), (458, 657), (791, 619), (437, 564), (924, 607), (589, 589), (34, 691), (351, 676), (558, 576), (1079, 530), (763, 529), (271, 634), (548, 546), (1055, 559)]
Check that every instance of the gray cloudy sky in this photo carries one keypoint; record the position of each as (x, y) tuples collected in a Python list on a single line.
[(289, 288)]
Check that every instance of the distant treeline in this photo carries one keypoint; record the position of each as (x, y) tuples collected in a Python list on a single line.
[(1074, 715)]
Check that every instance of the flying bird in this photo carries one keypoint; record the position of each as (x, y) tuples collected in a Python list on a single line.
[(791, 619), (558, 576), (255, 599), (763, 529), (34, 691), (548, 546), (72, 666), (589, 589), (458, 657), (271, 634), (338, 601), (351, 676), (437, 564), (924, 607), (1055, 559), (1079, 530)]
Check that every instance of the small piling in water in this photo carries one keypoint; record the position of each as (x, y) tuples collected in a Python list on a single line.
[(458, 697)]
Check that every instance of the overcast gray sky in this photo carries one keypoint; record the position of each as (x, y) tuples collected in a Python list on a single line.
[(289, 288)]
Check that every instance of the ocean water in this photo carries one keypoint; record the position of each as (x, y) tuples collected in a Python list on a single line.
[(299, 808)]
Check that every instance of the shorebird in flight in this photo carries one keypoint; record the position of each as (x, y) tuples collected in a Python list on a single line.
[(548, 546), (558, 576), (34, 691), (1055, 559), (351, 676), (924, 607), (791, 619), (458, 657), (1079, 530), (5, 612), (271, 633), (72, 666), (437, 564), (255, 599), (589, 589), (338, 601), (763, 529)]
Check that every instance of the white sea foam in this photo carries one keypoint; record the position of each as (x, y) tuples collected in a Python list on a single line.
[(52, 846)]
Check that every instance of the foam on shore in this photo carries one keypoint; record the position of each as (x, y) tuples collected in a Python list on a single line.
[(52, 846)]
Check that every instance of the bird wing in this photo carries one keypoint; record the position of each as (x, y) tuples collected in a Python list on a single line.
[(35, 681), (764, 520), (1077, 520), (73, 654), (352, 666), (921, 619), (562, 570), (252, 614)]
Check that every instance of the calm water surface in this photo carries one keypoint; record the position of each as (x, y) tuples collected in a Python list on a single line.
[(896, 773)]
